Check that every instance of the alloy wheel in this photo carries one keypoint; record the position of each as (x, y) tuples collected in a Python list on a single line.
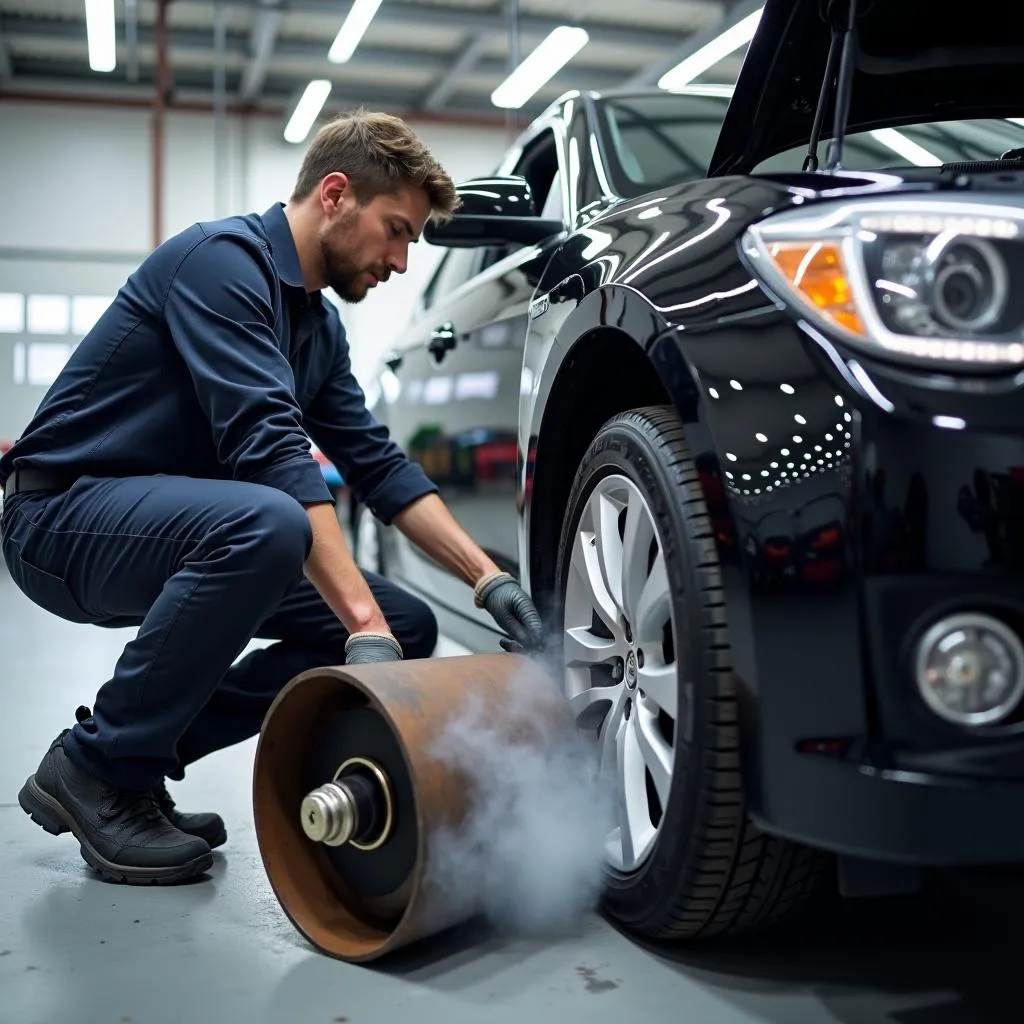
[(620, 661)]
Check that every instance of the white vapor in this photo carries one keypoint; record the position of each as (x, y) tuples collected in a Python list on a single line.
[(529, 854)]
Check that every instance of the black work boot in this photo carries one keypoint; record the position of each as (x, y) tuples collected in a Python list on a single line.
[(208, 826), (123, 834)]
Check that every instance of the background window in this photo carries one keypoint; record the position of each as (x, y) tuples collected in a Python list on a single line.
[(12, 313), (49, 314), (86, 310), (38, 363)]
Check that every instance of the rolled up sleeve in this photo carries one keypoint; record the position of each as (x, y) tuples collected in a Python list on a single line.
[(221, 314), (376, 469)]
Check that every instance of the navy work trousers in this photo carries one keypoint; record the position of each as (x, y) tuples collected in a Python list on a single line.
[(201, 567)]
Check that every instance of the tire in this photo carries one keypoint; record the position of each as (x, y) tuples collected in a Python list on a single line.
[(709, 871)]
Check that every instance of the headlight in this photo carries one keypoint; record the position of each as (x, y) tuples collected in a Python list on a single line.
[(935, 279)]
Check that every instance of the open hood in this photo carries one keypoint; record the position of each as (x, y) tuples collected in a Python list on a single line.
[(916, 61)]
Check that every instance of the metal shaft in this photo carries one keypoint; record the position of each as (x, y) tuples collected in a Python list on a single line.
[(329, 814)]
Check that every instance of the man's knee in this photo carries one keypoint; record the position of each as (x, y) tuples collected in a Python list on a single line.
[(416, 629), (278, 530)]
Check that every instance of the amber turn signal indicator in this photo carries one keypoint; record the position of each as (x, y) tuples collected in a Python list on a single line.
[(818, 272)]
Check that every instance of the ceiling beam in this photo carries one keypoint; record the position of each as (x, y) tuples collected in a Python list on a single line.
[(131, 39), (6, 71), (313, 56), (474, 21), (198, 99), (734, 14), (261, 48), (449, 82)]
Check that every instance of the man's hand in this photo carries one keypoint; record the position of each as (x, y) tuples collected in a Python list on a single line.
[(366, 648), (432, 528), (511, 608)]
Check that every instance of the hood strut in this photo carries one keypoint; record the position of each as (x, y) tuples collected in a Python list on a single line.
[(842, 49)]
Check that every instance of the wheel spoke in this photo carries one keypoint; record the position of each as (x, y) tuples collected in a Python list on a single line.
[(660, 684), (657, 754), (585, 564), (582, 647), (653, 608), (636, 832), (636, 543), (609, 547)]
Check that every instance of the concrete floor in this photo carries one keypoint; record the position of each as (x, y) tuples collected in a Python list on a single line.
[(75, 949)]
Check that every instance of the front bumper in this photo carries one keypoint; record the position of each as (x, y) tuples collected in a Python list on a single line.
[(885, 814), (857, 505)]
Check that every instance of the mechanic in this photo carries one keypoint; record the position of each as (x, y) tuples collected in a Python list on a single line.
[(167, 482)]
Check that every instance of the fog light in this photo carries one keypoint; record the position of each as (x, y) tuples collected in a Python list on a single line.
[(970, 669)]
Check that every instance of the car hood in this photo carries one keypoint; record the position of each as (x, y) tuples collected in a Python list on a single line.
[(915, 62)]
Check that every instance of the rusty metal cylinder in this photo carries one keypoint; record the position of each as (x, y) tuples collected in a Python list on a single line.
[(351, 788)]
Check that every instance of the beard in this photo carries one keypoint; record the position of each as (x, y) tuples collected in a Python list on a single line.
[(342, 271)]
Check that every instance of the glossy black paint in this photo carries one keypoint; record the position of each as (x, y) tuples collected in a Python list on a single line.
[(843, 514), (494, 211)]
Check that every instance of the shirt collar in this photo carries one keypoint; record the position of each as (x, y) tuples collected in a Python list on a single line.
[(282, 246)]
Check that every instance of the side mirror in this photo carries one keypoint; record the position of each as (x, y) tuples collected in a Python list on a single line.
[(495, 211)]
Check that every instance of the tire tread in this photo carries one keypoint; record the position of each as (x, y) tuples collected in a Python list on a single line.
[(741, 880)]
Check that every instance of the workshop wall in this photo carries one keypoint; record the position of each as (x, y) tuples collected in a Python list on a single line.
[(83, 220)]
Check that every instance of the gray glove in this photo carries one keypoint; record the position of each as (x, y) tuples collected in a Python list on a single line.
[(512, 609), (366, 648)]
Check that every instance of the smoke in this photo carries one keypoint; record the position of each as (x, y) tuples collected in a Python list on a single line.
[(529, 854)]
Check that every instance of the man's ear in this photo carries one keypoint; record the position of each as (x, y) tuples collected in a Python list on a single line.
[(333, 190)]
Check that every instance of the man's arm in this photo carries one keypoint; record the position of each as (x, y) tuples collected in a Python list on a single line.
[(397, 490), (376, 469), (220, 312), (432, 528), (331, 569)]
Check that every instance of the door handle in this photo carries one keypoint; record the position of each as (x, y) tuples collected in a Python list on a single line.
[(442, 340)]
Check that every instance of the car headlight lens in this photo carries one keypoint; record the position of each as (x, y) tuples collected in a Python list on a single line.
[(932, 279)]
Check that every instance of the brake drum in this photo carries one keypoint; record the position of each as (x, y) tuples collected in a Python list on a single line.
[(353, 790)]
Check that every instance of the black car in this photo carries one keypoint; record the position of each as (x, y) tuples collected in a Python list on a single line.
[(736, 387)]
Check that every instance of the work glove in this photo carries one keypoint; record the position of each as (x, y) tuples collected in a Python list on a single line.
[(512, 609), (366, 648)]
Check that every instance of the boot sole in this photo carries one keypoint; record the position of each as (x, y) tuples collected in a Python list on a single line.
[(51, 816)]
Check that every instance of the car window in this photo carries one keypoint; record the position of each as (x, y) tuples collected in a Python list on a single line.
[(456, 267), (659, 140), (539, 165), (653, 141)]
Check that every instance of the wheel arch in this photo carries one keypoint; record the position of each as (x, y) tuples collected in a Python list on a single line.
[(607, 370)]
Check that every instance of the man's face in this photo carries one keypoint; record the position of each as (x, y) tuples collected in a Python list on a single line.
[(362, 246)]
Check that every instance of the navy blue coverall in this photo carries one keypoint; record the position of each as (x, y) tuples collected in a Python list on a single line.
[(179, 436)]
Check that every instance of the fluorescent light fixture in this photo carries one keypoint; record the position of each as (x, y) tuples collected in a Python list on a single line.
[(358, 19), (99, 28), (708, 90), (906, 148), (307, 110), (710, 54), (551, 55)]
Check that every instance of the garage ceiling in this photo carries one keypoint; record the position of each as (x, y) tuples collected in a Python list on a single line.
[(438, 58)]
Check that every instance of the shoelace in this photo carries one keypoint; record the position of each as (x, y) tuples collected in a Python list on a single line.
[(163, 799), (146, 806)]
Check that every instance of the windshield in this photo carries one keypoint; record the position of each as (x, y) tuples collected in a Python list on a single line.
[(657, 140)]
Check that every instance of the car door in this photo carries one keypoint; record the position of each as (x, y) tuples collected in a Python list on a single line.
[(458, 403)]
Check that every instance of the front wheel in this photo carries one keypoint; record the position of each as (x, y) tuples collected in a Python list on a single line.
[(645, 645)]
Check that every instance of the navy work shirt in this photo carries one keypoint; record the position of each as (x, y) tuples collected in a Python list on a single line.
[(213, 361)]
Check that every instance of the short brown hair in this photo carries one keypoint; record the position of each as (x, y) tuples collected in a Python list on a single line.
[(378, 153)]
